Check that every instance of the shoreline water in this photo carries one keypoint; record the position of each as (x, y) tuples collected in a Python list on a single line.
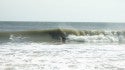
[(36, 56)]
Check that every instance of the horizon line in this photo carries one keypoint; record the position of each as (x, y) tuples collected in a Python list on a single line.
[(66, 21)]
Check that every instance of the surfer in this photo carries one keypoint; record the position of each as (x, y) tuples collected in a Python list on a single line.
[(62, 37), (59, 35)]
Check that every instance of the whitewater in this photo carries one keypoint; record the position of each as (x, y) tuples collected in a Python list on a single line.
[(41, 56), (38, 46)]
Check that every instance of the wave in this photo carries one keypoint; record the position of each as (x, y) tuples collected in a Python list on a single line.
[(64, 35)]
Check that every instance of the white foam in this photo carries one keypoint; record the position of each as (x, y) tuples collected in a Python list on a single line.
[(94, 39), (39, 56)]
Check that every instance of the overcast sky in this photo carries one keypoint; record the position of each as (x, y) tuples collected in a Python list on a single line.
[(63, 10)]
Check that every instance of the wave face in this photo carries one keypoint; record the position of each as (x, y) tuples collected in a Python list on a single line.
[(64, 35)]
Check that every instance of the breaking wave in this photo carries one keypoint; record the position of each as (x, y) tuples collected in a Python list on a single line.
[(64, 35)]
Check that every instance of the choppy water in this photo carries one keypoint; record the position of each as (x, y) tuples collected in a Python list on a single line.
[(88, 46)]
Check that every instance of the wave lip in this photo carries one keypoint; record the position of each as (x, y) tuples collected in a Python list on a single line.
[(64, 35)]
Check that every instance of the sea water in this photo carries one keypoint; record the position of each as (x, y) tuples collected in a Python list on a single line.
[(91, 51)]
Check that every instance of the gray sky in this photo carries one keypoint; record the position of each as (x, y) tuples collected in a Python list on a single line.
[(63, 10)]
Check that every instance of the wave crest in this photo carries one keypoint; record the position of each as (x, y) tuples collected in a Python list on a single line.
[(58, 35)]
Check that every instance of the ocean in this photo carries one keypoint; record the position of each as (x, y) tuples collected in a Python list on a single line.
[(62, 45)]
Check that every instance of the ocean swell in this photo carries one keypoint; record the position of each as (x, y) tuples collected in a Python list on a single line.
[(64, 35)]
